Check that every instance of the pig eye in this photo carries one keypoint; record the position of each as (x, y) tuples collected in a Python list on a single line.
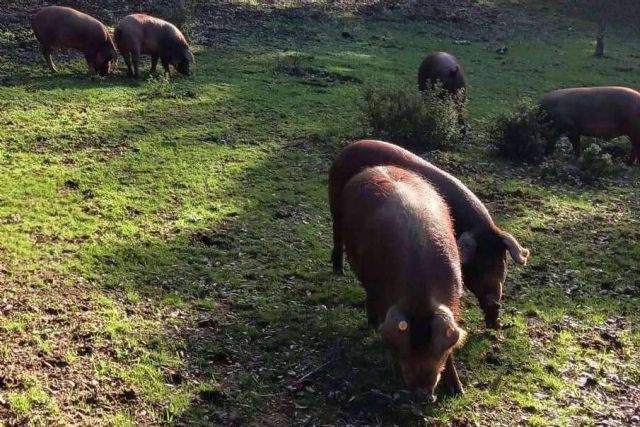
[(403, 326)]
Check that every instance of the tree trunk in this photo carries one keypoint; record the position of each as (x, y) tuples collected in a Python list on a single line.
[(602, 27)]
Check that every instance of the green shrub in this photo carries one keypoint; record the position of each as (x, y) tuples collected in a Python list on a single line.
[(521, 135), (618, 148), (405, 116), (294, 64), (561, 164), (593, 165)]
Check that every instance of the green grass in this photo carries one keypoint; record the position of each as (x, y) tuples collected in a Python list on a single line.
[(164, 244)]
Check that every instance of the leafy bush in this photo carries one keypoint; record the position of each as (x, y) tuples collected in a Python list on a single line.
[(561, 164), (618, 148), (295, 64), (405, 116), (593, 164), (521, 135)]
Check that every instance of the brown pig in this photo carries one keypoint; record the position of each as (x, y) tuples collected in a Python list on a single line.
[(483, 245), (140, 34), (603, 112), (399, 240), (63, 27)]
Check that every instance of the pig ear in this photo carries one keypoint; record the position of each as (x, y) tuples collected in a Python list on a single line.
[(467, 246), (518, 253), (394, 322), (454, 71), (445, 332), (191, 57)]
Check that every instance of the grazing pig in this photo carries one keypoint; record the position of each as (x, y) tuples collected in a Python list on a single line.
[(399, 240), (140, 34), (603, 112), (63, 27), (443, 67), (482, 244)]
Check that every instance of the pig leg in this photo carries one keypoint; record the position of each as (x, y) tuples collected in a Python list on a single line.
[(632, 156), (462, 123), (90, 61), (491, 308), (635, 151), (550, 145), (46, 52), (154, 63), (127, 60), (135, 58), (372, 312), (336, 254), (335, 192), (450, 378), (575, 141), (165, 64)]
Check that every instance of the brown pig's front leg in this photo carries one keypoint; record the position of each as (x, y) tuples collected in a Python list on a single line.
[(450, 378)]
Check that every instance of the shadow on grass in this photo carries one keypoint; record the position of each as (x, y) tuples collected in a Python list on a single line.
[(77, 77), (274, 310), (273, 337)]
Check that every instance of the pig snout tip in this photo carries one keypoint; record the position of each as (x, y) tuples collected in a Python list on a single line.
[(425, 396)]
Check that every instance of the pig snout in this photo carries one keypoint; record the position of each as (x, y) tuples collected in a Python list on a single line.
[(421, 380), (425, 396)]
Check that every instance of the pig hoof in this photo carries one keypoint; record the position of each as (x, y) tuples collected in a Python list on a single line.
[(453, 387), (457, 390), (493, 324), (336, 260), (492, 315)]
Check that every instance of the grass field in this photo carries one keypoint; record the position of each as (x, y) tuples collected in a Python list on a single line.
[(164, 244)]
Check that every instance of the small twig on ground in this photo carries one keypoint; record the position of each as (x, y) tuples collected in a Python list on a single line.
[(311, 373), (333, 358)]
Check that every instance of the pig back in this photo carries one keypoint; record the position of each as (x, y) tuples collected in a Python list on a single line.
[(593, 111), (149, 35), (444, 67), (399, 239), (468, 211), (68, 28)]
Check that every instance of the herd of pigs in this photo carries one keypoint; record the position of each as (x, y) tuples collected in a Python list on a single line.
[(135, 35), (413, 234)]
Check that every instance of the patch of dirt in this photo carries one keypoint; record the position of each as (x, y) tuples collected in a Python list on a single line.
[(55, 349), (208, 23), (470, 20), (315, 76)]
